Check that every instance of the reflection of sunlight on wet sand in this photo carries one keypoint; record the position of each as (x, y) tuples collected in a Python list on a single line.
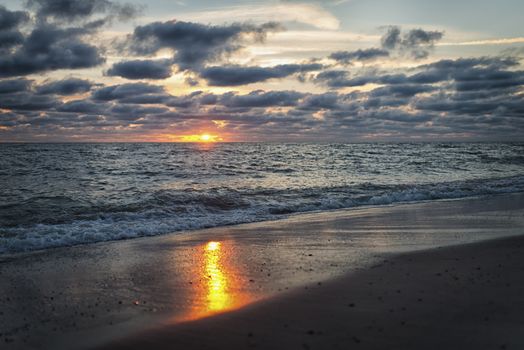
[(219, 288), (217, 296)]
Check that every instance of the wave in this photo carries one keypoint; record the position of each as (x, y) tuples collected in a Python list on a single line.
[(62, 221)]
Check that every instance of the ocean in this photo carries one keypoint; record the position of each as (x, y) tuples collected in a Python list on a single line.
[(55, 195)]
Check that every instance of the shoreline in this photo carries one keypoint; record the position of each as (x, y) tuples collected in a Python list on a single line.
[(111, 290), (299, 215)]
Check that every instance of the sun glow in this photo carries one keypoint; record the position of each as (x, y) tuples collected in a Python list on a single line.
[(201, 138)]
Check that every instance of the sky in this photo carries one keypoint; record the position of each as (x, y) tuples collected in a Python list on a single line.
[(280, 70)]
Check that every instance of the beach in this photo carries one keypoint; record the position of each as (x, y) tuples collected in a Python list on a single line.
[(435, 274), (463, 297), (269, 174)]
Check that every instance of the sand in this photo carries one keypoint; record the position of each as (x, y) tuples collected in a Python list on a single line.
[(384, 277), (465, 297)]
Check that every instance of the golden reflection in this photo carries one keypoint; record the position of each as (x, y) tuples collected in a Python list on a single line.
[(221, 286), (217, 294)]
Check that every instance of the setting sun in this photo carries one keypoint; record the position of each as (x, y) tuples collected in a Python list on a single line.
[(201, 138)]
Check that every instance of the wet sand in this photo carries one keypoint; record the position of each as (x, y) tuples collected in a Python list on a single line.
[(465, 297), (314, 280)]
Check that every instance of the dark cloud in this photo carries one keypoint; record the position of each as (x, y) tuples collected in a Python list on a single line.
[(259, 98), (74, 10), (10, 35), (194, 44), (27, 101), (464, 72), (398, 109), (11, 19), (49, 47), (8, 39), (404, 90), (321, 101), (65, 87), (117, 92), (234, 75), (133, 112), (417, 42), (481, 97), (49, 44), (187, 101), (339, 79), (14, 85), (142, 69), (82, 106), (347, 57), (333, 78), (146, 99)]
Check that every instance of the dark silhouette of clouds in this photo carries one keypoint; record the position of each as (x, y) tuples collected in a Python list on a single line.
[(28, 101), (14, 85), (404, 106), (12, 19), (259, 98), (235, 75), (82, 107), (74, 10), (65, 87), (417, 43), (142, 69), (10, 34), (116, 92), (49, 47), (347, 57), (481, 96), (194, 44)]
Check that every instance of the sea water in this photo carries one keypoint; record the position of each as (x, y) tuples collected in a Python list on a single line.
[(65, 194)]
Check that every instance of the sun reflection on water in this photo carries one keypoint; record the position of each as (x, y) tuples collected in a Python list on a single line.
[(220, 286), (218, 297)]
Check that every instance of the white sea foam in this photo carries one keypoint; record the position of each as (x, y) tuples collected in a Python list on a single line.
[(163, 214)]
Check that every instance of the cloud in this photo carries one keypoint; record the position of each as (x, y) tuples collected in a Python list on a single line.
[(417, 43), (65, 87), (27, 101), (48, 47), (321, 101), (402, 90), (187, 101), (74, 10), (9, 39), (10, 35), (259, 98), (480, 69), (234, 75), (118, 92), (82, 107), (310, 14), (14, 85), (500, 41), (481, 97), (12, 19), (347, 57), (142, 69), (410, 104), (195, 44)]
